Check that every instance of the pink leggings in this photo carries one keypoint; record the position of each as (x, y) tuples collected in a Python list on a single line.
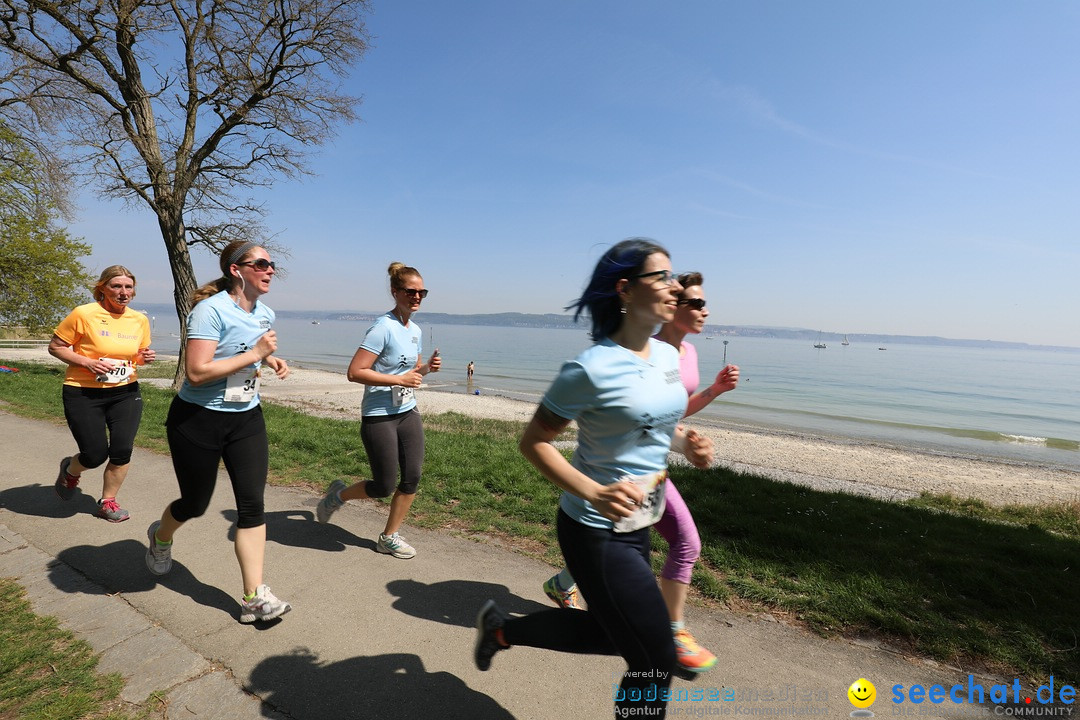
[(677, 526)]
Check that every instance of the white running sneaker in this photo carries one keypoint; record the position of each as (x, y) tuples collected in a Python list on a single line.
[(264, 606), (330, 502), (395, 545), (158, 557)]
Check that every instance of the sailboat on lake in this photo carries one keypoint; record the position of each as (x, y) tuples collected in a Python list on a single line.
[(819, 345), (845, 341)]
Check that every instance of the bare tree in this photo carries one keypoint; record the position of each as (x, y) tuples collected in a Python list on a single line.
[(184, 105), (51, 179)]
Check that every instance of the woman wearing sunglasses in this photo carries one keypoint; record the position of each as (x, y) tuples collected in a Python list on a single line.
[(625, 394), (389, 365), (217, 416), (677, 524)]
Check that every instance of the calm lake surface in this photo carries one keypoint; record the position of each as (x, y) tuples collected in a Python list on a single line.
[(1016, 404)]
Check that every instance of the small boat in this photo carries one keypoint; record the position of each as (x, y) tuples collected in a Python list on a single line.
[(819, 345), (845, 341), (881, 348), (314, 322)]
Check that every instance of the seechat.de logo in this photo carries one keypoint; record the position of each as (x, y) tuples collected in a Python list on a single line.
[(976, 693)]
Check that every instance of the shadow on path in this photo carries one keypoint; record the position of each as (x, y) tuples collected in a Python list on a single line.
[(394, 686), (298, 528), (120, 567), (455, 602), (42, 501)]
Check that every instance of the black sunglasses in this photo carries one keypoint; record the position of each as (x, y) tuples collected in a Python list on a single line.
[(411, 292), (696, 303), (262, 264), (659, 277)]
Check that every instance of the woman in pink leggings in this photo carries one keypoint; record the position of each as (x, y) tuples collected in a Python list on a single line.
[(677, 524)]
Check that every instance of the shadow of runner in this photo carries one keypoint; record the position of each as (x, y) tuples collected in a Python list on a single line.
[(455, 602), (42, 501), (121, 567), (394, 686), (298, 528)]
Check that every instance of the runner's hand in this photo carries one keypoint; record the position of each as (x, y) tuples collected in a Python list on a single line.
[(267, 345), (411, 379), (279, 366), (698, 449), (617, 500), (434, 362), (726, 379), (99, 366)]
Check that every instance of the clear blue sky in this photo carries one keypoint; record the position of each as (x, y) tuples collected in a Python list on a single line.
[(905, 167)]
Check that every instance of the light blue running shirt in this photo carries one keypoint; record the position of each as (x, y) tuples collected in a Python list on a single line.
[(236, 331), (397, 348), (626, 410)]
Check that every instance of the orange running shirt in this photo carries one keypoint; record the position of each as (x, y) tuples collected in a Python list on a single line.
[(94, 332)]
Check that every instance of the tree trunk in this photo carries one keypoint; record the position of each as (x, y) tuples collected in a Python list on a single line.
[(175, 237)]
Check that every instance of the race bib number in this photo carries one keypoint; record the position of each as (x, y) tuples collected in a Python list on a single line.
[(123, 370), (401, 395), (652, 505), (242, 386)]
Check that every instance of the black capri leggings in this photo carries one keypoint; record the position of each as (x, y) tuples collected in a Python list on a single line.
[(393, 442), (198, 440), (626, 616), (92, 411)]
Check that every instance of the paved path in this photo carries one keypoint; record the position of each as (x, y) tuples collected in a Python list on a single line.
[(369, 635)]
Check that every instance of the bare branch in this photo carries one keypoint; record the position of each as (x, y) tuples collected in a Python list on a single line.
[(180, 104)]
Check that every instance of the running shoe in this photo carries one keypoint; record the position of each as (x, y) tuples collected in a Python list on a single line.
[(395, 545), (489, 620), (690, 655), (330, 502), (108, 509), (264, 606), (158, 557), (566, 599), (66, 483)]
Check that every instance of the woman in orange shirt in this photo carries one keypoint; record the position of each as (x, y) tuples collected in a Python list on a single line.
[(103, 343)]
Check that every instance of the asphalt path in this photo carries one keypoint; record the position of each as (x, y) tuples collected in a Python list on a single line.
[(369, 635)]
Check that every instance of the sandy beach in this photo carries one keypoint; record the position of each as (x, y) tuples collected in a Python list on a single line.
[(854, 467)]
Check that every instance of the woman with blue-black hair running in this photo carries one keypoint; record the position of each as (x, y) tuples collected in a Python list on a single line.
[(626, 396), (217, 417), (677, 524), (389, 364)]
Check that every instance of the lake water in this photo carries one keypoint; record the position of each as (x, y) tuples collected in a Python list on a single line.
[(1017, 404)]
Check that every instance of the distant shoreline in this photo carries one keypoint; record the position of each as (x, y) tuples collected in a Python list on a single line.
[(556, 321)]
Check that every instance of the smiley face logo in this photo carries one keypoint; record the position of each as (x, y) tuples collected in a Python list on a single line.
[(862, 693)]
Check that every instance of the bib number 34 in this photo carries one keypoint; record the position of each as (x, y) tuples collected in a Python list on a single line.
[(242, 386)]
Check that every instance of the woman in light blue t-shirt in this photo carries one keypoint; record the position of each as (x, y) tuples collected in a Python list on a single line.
[(217, 417), (389, 365), (677, 524), (627, 398)]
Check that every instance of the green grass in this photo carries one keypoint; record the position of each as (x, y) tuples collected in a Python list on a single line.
[(955, 580), (990, 586), (158, 369), (45, 672)]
